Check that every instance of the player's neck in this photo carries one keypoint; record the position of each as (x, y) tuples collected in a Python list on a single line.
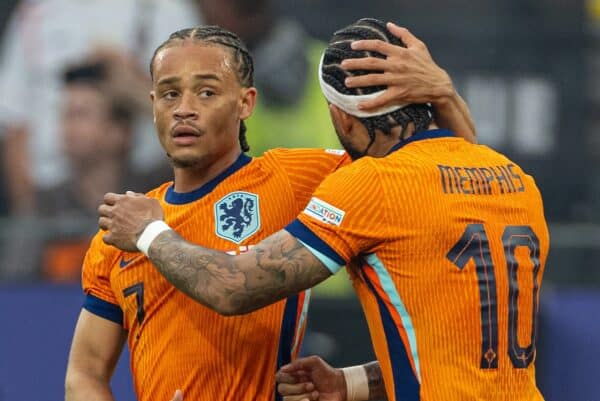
[(384, 143), (188, 179)]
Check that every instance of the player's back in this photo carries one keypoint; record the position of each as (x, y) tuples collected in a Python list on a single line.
[(452, 290)]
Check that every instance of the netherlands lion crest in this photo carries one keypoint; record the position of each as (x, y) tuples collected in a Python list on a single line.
[(237, 216)]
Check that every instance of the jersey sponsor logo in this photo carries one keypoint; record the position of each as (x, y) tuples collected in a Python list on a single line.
[(338, 152), (325, 212), (237, 216)]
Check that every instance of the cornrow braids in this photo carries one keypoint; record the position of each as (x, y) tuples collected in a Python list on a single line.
[(339, 49), (213, 34)]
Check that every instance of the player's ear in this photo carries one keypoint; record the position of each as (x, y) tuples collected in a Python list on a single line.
[(342, 120), (152, 98), (247, 102)]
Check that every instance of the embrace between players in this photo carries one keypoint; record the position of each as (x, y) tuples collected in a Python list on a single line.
[(207, 278)]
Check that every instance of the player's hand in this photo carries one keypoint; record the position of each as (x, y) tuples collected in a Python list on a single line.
[(178, 396), (311, 379), (410, 73), (124, 217)]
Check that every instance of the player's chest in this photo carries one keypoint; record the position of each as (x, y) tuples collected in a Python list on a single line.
[(228, 221)]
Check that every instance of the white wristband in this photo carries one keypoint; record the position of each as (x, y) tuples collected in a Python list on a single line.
[(149, 234), (357, 383)]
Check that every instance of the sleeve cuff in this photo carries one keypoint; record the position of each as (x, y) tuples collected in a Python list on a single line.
[(103, 309), (322, 251)]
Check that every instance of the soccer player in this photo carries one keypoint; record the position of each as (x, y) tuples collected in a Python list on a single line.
[(446, 242), (202, 92)]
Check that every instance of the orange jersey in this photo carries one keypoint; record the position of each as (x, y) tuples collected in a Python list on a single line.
[(446, 243), (177, 343)]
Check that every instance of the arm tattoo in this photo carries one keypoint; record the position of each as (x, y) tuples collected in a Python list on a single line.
[(277, 267), (376, 386)]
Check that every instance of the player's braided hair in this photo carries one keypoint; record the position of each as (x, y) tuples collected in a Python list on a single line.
[(339, 49), (216, 35)]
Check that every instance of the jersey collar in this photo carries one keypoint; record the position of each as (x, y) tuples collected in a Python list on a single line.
[(429, 134), (181, 198)]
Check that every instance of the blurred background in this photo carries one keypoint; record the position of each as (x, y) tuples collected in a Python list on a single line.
[(75, 123)]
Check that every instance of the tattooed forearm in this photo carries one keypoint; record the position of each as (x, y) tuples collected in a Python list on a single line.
[(376, 386), (277, 267)]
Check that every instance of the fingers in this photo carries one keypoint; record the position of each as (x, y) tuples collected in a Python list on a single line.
[(111, 198), (368, 80), (375, 45), (302, 397), (284, 377), (312, 396), (287, 368), (301, 367), (296, 367), (293, 368), (308, 363), (385, 48), (104, 223), (403, 34), (385, 99), (105, 210), (286, 389), (107, 238), (364, 63)]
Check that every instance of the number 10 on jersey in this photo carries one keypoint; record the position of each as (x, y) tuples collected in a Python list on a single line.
[(474, 244)]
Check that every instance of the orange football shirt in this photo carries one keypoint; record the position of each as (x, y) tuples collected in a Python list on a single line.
[(446, 243), (175, 342)]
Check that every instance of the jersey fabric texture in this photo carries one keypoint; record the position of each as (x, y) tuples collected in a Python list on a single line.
[(446, 242), (177, 343)]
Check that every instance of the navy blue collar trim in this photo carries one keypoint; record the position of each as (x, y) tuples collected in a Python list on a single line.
[(429, 134), (181, 198)]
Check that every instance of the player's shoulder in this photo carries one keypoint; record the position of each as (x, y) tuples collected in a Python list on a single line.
[(491, 155), (494, 157), (362, 171), (160, 191), (100, 251), (304, 152), (285, 157), (400, 161)]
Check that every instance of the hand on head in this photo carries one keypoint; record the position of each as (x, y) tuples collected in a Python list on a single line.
[(409, 72)]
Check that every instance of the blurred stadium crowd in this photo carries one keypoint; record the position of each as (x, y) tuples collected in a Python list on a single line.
[(75, 122)]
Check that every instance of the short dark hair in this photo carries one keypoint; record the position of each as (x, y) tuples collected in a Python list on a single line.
[(216, 35), (339, 49)]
